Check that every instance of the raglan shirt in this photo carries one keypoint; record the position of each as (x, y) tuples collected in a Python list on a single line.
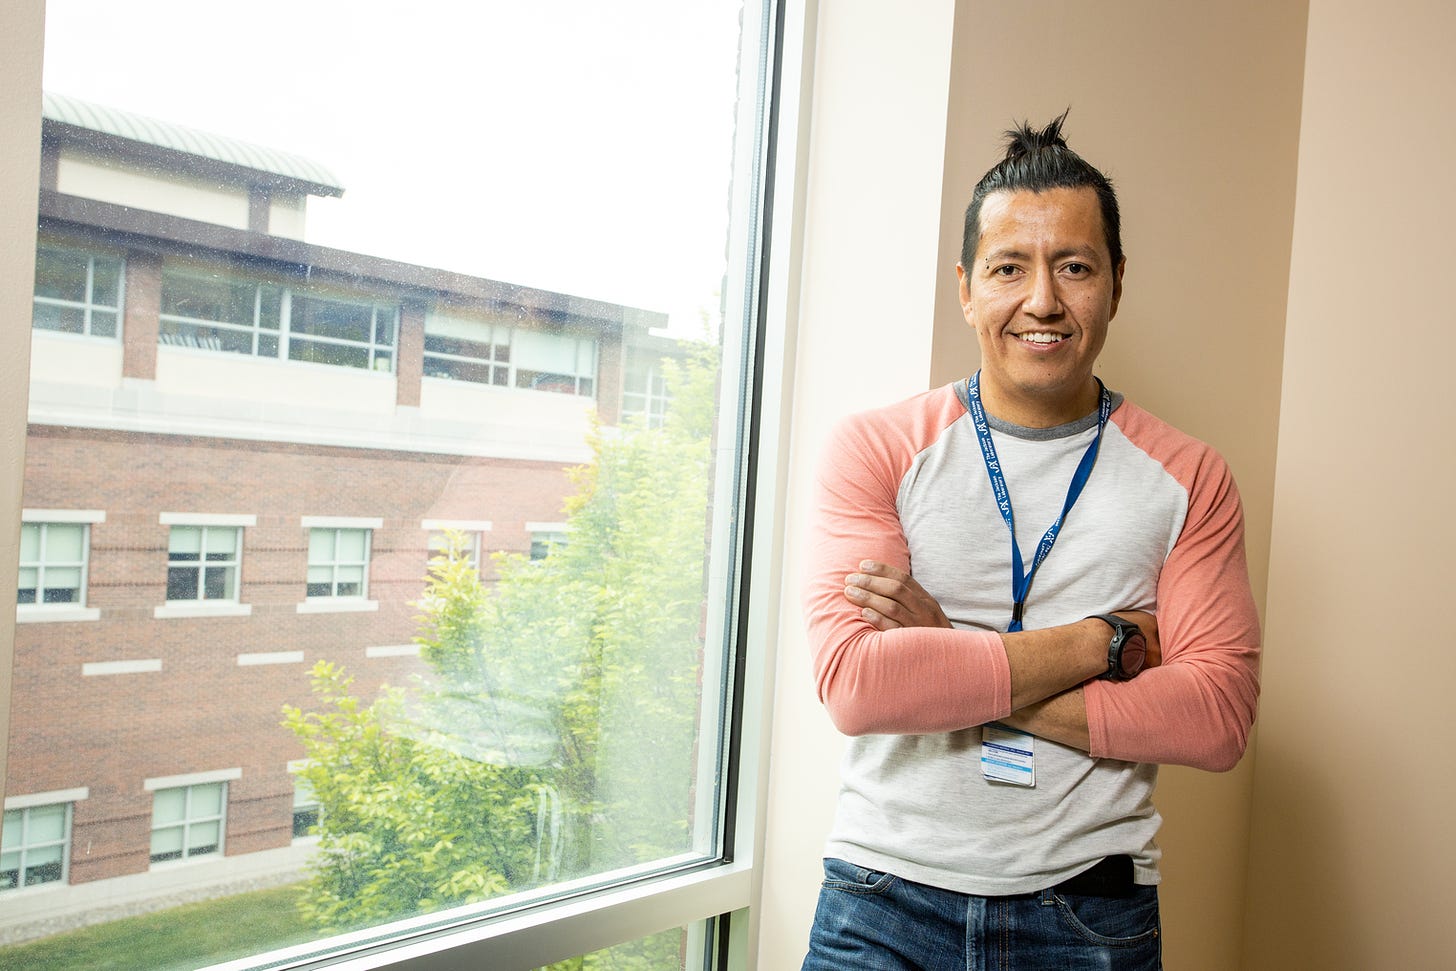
[(1158, 527)]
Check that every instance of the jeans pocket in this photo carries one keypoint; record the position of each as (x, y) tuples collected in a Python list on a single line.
[(840, 875), (1112, 921)]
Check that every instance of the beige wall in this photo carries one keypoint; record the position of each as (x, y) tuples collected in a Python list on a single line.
[(1353, 852), (20, 31)]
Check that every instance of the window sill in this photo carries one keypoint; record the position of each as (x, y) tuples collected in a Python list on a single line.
[(338, 605), (43, 614), (202, 609)]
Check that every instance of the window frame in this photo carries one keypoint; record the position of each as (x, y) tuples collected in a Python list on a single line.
[(80, 610), (595, 920), (335, 603), (378, 350), (187, 783), (43, 800), (507, 372), (88, 304)]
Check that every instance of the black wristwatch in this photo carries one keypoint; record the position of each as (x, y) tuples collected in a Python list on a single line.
[(1127, 651)]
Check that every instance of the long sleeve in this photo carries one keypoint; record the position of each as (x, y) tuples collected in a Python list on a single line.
[(907, 681), (1197, 708)]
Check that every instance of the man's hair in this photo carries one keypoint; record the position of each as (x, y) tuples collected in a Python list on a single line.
[(1037, 161)]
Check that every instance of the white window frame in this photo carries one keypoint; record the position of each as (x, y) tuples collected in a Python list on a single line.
[(43, 800), (187, 783), (204, 607), (473, 529), (334, 603), (599, 919), (382, 347), (650, 401), (508, 373), (40, 611), (88, 304), (294, 768)]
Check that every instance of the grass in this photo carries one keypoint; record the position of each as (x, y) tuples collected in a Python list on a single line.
[(181, 939)]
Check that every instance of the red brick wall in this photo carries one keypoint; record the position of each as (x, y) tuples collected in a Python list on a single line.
[(202, 711)]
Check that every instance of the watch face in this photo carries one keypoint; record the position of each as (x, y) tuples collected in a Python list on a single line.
[(1134, 653)]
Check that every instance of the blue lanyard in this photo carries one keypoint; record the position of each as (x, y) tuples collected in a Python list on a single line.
[(1020, 578)]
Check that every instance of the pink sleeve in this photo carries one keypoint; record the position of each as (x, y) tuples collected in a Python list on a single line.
[(1198, 706), (910, 681)]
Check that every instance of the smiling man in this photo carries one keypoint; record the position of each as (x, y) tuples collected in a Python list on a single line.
[(1025, 593)]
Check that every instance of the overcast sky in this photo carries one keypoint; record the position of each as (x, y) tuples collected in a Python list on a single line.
[(573, 145)]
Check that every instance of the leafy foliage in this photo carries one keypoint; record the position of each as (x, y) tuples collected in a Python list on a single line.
[(555, 734)]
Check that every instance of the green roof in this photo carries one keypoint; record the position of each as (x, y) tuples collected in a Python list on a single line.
[(190, 141)]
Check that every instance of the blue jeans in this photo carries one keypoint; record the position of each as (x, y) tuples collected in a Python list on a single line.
[(872, 921)]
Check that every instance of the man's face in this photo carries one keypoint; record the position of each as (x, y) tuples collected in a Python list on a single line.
[(1039, 297)]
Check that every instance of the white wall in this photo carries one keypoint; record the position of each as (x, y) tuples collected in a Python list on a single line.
[(92, 177), (865, 315)]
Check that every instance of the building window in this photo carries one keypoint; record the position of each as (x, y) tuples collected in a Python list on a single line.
[(338, 562), (545, 538), (53, 563), (490, 352), (35, 845), (187, 821), (202, 563), (306, 808), (442, 530), (644, 391), (77, 292), (219, 312)]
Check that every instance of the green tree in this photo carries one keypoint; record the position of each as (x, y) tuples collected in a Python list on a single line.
[(555, 734)]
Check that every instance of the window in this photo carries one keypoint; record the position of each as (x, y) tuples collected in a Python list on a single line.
[(218, 311), (77, 292), (338, 562), (306, 809), (53, 563), (557, 754), (442, 531), (202, 563), (35, 845), (546, 537), (187, 821), (496, 353), (644, 391)]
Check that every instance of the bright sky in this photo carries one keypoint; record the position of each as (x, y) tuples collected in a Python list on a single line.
[(573, 145)]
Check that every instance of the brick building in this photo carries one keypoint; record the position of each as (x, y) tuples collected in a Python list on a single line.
[(241, 449)]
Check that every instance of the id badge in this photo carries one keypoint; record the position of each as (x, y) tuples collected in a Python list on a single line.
[(1008, 756)]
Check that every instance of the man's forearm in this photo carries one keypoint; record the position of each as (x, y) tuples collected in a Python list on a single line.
[(1060, 718), (1045, 663)]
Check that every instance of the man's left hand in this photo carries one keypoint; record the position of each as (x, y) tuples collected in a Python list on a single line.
[(890, 598)]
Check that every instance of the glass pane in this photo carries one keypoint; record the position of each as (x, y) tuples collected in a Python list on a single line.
[(222, 542), (320, 547), (207, 799), (47, 823), (207, 298), (106, 281), (60, 274), (321, 317), (103, 323), (168, 806), (182, 583), (29, 542), (65, 543), (166, 844), (62, 584), (559, 718), (352, 543), (218, 583), (203, 838), (319, 352), (10, 836), (185, 543), (50, 316)]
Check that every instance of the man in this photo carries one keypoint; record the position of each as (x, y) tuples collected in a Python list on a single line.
[(1010, 702)]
